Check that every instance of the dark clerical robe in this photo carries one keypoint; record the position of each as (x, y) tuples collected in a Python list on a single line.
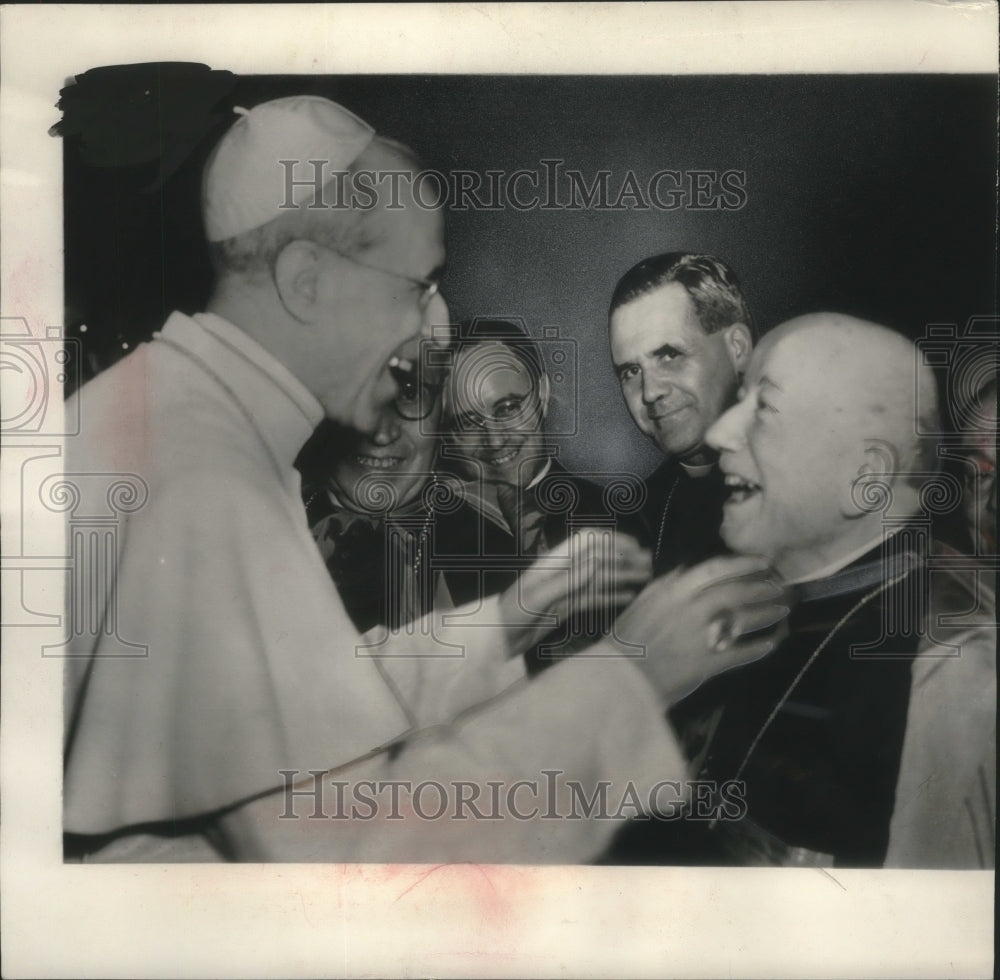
[(484, 556), (805, 753), (815, 731), (682, 515)]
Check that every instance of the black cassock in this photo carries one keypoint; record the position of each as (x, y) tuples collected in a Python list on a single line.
[(812, 734), (386, 566), (484, 558)]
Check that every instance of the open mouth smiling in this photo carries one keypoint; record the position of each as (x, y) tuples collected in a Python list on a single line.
[(379, 462), (502, 458), (740, 489)]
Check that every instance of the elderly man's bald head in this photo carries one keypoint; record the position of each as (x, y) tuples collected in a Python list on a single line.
[(868, 376), (827, 400)]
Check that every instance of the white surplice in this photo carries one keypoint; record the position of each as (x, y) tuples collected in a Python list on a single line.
[(252, 665)]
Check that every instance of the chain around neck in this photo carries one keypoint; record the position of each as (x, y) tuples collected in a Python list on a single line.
[(809, 662), (663, 518)]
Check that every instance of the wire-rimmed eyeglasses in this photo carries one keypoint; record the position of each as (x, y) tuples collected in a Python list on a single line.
[(429, 288), (417, 396)]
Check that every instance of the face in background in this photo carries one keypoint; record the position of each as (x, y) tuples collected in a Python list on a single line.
[(980, 498), (497, 406), (676, 379), (364, 308), (401, 452), (791, 449)]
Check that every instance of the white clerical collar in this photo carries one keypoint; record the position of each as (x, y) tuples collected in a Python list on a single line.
[(697, 471), (542, 473), (831, 568), (275, 403)]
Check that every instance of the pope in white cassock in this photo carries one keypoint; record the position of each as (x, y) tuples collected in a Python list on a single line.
[(253, 679)]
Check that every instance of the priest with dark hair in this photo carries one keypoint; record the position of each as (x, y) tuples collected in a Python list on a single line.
[(681, 335)]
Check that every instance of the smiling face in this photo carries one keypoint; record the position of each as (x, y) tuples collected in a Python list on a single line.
[(366, 309), (401, 452), (980, 499), (676, 379), (791, 448), (497, 406)]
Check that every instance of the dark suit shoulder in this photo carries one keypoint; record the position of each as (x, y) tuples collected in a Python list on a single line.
[(566, 494), (569, 493)]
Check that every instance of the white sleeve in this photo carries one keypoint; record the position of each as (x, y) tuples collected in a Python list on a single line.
[(446, 661), (545, 773), (946, 793)]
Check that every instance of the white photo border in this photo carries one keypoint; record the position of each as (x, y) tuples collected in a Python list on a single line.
[(368, 920)]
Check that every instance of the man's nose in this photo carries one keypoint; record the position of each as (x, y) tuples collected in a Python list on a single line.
[(437, 315), (726, 433), (494, 437), (655, 385), (387, 431)]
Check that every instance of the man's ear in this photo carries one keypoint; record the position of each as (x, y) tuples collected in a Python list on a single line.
[(544, 390), (871, 489), (296, 278), (739, 345)]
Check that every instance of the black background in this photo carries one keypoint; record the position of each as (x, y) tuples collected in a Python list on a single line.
[(872, 195)]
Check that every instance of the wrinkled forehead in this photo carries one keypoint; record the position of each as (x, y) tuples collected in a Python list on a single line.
[(818, 374), (787, 359), (401, 215), (663, 315), (412, 234), (485, 373)]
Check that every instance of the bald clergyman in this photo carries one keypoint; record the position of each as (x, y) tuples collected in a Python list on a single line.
[(825, 471)]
